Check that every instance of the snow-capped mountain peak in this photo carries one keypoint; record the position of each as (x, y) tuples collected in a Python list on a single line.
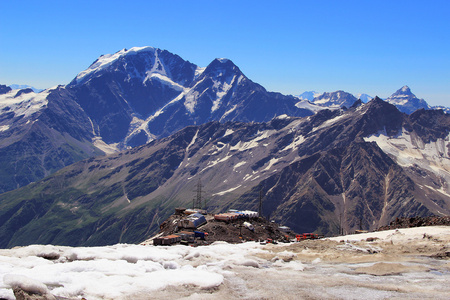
[(149, 62), (404, 92), (222, 67), (406, 101), (405, 89), (335, 100)]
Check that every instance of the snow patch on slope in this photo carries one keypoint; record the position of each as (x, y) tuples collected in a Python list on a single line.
[(221, 89), (227, 191), (164, 80), (308, 105), (25, 104), (239, 164), (330, 122), (409, 150), (297, 142), (233, 108)]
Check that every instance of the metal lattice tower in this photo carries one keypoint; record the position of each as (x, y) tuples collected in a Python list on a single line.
[(198, 199)]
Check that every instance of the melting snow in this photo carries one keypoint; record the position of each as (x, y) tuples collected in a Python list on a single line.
[(318, 270)]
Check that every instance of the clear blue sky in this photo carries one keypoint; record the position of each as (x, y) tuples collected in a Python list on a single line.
[(372, 47)]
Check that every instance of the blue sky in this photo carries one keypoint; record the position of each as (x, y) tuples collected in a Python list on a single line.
[(372, 47)]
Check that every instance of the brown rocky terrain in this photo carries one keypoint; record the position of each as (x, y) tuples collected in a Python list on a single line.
[(230, 232), (417, 222)]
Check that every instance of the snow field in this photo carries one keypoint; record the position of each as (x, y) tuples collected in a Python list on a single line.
[(25, 104), (324, 269)]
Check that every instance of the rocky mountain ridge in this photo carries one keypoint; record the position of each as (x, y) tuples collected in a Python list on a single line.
[(331, 171), (132, 97)]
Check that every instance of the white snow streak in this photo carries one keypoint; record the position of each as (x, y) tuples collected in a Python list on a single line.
[(239, 164), (227, 191), (164, 80), (192, 141)]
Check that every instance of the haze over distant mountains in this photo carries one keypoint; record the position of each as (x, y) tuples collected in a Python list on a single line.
[(175, 123)]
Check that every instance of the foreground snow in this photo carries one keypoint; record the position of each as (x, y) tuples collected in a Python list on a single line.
[(400, 264)]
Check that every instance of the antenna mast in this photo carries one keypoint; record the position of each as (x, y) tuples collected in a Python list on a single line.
[(198, 199)]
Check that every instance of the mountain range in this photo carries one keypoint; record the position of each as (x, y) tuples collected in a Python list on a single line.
[(121, 101), (330, 163)]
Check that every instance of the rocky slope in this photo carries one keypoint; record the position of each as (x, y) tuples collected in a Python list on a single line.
[(41, 133), (340, 169)]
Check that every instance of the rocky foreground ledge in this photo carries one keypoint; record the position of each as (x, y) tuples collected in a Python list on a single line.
[(417, 222)]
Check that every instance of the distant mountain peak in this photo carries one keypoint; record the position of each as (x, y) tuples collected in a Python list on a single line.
[(221, 67), (105, 61), (222, 63), (405, 89), (377, 99), (406, 101), (335, 99), (223, 60)]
